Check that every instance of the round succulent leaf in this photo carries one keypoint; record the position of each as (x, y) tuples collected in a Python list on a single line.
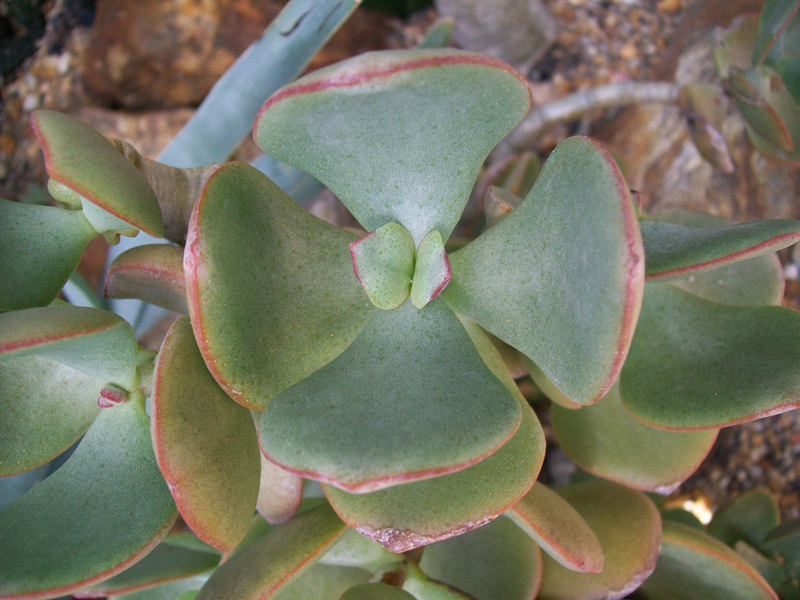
[(760, 115), (153, 273), (561, 278), (165, 563), (411, 515), (92, 341), (605, 440), (64, 534), (546, 386), (678, 515), (695, 364), (497, 561), (80, 158), (383, 261), (774, 22), (47, 407), (750, 518), (105, 223), (181, 589), (785, 54), (431, 271), (205, 443), (394, 407), (771, 570), (40, 247), (756, 280), (385, 131), (356, 550), (628, 526), (675, 252), (695, 566), (422, 588), (290, 305), (558, 529), (279, 492), (271, 562), (785, 538), (322, 582), (376, 591), (789, 113)]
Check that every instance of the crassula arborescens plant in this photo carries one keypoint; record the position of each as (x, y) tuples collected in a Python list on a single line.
[(361, 359)]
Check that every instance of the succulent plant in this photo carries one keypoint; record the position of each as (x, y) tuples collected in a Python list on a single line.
[(361, 359)]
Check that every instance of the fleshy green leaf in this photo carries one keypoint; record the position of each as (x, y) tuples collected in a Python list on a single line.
[(322, 582), (761, 116), (40, 246), (784, 55), (695, 364), (182, 589), (95, 342), (383, 262), (431, 271), (558, 529), (546, 386), (678, 515), (495, 562), (165, 563), (47, 407), (695, 566), (629, 529), (571, 307), (80, 158), (606, 441), (64, 534), (756, 280), (385, 131), (750, 518), (153, 273), (773, 21), (279, 492), (376, 591), (205, 443), (290, 305), (785, 538), (332, 425), (262, 568), (414, 514), (422, 588), (356, 550), (676, 252)]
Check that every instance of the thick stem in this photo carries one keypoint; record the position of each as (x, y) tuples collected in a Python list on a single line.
[(575, 106)]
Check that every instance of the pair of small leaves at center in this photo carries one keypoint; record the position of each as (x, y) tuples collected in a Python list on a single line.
[(390, 270)]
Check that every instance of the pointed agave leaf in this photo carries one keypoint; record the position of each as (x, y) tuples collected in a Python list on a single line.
[(47, 407), (271, 562), (332, 425), (322, 582), (695, 566), (422, 588), (383, 262), (495, 562), (93, 341), (628, 526), (290, 305), (558, 529), (80, 158), (605, 440), (165, 563), (676, 252), (385, 131), (153, 273), (64, 534), (431, 271), (40, 247), (376, 591), (205, 443), (750, 518), (695, 364), (279, 492), (571, 307), (414, 514)]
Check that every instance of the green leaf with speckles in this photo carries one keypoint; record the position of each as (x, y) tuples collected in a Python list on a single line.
[(571, 307), (205, 443), (153, 273), (271, 289), (40, 247), (64, 534), (383, 262), (363, 424), (695, 364), (432, 270), (386, 131)]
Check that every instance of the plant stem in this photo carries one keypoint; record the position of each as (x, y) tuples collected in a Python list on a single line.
[(575, 106)]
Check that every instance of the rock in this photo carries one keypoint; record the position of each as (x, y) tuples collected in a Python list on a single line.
[(168, 53), (517, 32)]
